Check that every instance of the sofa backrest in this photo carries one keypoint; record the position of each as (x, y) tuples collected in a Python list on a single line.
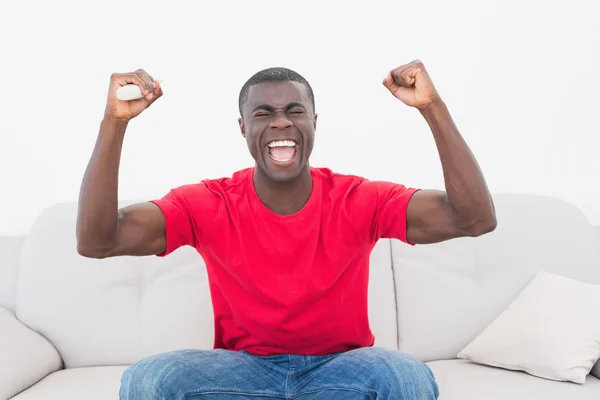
[(10, 248), (118, 310), (447, 293)]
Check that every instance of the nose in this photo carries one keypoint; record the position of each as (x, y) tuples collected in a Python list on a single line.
[(280, 122)]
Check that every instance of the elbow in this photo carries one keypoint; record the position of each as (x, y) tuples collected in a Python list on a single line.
[(483, 226), (89, 244), (474, 226), (90, 250)]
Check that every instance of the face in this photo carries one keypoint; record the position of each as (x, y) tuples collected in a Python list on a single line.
[(279, 126)]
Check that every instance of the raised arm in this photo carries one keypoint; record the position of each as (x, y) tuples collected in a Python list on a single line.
[(104, 230), (466, 207)]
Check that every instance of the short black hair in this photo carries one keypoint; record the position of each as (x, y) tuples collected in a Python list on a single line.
[(274, 74)]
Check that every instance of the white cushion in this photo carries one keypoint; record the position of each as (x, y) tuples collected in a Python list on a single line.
[(94, 383), (117, 310), (449, 292), (25, 356), (463, 380), (552, 330)]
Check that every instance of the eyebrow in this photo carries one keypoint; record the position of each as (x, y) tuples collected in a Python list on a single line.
[(271, 109)]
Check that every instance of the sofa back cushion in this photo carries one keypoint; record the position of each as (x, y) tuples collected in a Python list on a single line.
[(447, 293), (118, 310), (10, 248)]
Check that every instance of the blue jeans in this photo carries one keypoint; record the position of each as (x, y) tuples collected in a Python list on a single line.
[(366, 374)]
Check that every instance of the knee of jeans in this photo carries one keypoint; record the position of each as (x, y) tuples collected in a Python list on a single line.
[(406, 369), (143, 376)]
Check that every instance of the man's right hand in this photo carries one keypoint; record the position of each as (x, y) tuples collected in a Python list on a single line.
[(125, 110)]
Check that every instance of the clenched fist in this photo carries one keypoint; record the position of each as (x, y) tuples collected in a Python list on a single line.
[(412, 85), (126, 110)]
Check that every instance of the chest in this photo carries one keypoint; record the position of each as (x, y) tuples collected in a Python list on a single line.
[(308, 253)]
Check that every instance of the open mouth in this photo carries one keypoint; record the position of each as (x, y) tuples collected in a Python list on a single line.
[(282, 151)]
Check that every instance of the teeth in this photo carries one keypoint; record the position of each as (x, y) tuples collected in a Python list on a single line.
[(281, 159), (282, 143)]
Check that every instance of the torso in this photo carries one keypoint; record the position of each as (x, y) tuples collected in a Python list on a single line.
[(287, 284)]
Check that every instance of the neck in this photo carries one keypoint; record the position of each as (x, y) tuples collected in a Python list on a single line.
[(283, 198)]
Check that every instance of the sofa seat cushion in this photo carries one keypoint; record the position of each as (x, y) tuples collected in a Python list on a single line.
[(91, 383), (458, 380), (464, 380)]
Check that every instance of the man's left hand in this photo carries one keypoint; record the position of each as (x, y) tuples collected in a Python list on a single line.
[(412, 85)]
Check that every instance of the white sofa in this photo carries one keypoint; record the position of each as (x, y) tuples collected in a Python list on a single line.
[(69, 326)]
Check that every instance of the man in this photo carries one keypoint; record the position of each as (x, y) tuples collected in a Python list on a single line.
[(286, 247)]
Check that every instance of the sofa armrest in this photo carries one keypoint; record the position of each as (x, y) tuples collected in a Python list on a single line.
[(596, 369), (25, 356)]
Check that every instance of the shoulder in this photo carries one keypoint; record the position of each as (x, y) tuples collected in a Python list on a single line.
[(231, 184), (222, 184), (336, 180), (350, 183), (208, 191), (346, 190), (354, 191)]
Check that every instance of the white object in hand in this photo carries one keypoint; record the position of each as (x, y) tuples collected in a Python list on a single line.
[(130, 92)]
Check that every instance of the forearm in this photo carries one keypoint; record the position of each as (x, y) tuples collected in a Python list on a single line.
[(466, 188), (98, 198)]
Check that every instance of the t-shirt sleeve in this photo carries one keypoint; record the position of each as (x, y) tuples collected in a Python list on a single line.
[(378, 210), (185, 222)]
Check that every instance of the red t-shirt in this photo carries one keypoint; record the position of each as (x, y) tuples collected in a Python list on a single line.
[(287, 284)]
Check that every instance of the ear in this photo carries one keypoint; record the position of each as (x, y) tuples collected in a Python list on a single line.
[(315, 122), (242, 128)]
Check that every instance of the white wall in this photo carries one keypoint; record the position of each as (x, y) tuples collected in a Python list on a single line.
[(521, 78)]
